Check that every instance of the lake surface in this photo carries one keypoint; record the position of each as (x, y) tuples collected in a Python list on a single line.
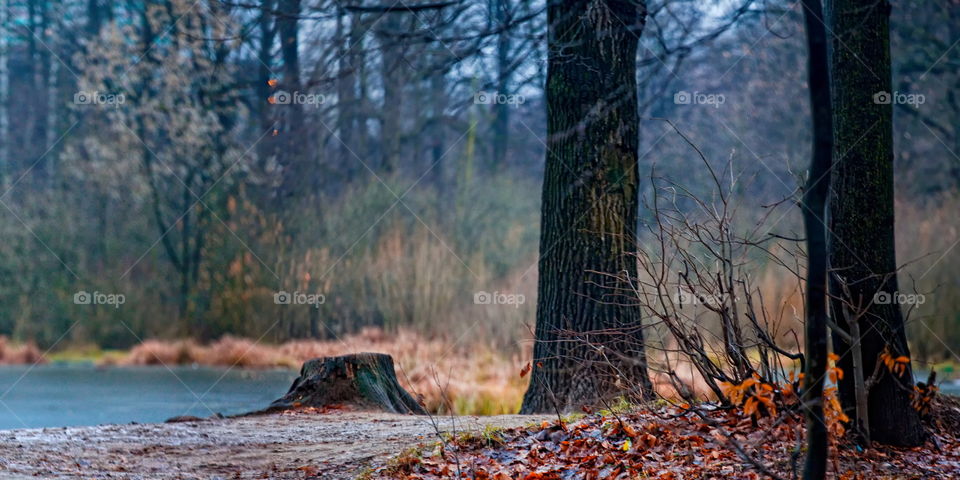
[(81, 394)]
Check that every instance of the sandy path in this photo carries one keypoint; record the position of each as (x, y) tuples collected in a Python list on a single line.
[(290, 446)]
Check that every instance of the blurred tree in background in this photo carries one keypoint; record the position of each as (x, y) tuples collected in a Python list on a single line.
[(386, 156)]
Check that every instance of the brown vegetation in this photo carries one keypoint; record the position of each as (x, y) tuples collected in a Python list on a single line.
[(17, 354), (670, 443)]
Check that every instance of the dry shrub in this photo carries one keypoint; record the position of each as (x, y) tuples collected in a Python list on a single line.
[(19, 354), (927, 236), (413, 279), (227, 351), (241, 352), (159, 352)]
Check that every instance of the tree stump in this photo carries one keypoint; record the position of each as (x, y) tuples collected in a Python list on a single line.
[(364, 380)]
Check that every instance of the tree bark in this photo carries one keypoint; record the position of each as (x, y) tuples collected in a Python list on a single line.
[(814, 208), (363, 380), (862, 249), (589, 342)]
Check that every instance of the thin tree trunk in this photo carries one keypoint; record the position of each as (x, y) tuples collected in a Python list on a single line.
[(361, 111), (4, 90), (346, 87), (293, 156), (438, 137), (38, 42), (266, 25), (94, 17), (814, 206), (589, 342), (390, 75), (862, 249), (53, 94), (501, 119)]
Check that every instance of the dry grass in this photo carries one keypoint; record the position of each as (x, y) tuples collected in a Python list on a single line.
[(927, 236), (20, 353), (475, 379)]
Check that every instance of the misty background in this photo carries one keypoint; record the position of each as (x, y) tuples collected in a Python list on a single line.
[(198, 159)]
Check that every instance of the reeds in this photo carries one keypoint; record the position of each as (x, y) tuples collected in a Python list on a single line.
[(19, 353)]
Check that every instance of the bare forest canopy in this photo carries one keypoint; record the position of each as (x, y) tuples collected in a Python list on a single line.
[(292, 169)]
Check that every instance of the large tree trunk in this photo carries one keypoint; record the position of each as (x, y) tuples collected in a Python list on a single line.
[(814, 209), (861, 214), (589, 211)]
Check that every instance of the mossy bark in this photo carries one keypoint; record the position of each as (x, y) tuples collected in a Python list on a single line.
[(589, 342), (363, 380), (862, 249)]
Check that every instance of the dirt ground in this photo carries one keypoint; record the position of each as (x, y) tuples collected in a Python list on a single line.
[(338, 445)]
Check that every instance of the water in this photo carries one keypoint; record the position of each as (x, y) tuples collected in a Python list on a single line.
[(82, 394)]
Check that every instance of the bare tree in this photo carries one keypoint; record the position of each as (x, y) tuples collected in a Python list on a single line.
[(814, 205)]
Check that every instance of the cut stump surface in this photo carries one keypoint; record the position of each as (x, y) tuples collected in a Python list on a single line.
[(367, 381)]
